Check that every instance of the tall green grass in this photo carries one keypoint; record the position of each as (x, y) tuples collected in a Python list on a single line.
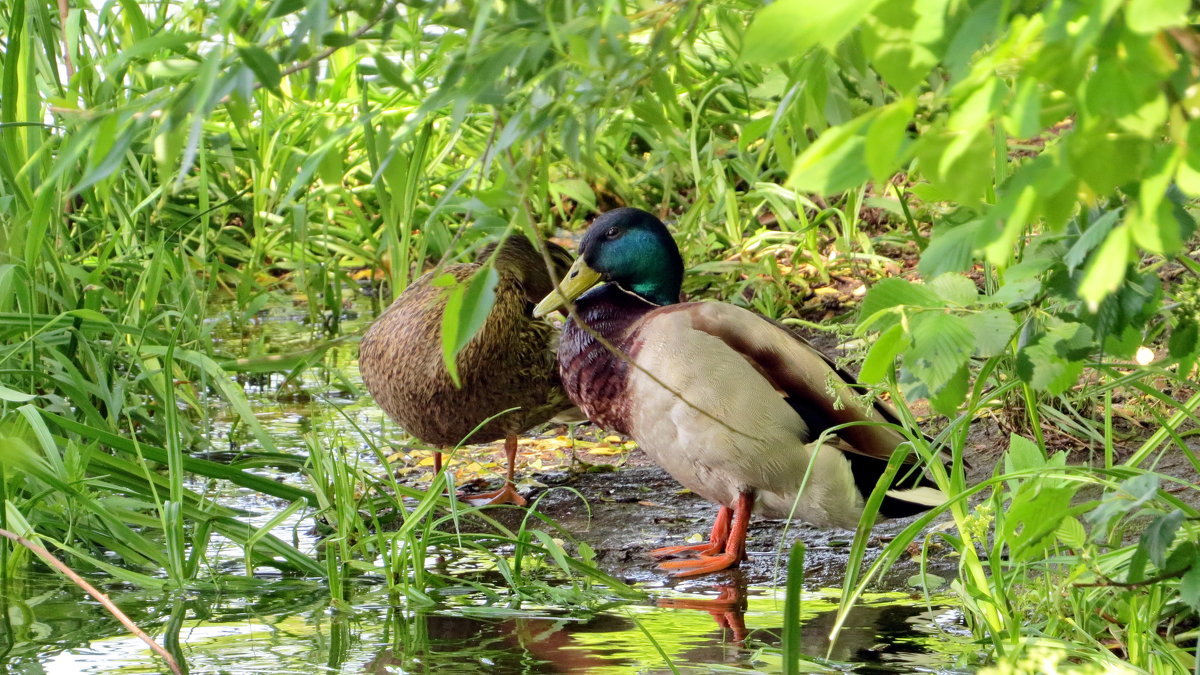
[(161, 157), (1082, 563), (158, 157)]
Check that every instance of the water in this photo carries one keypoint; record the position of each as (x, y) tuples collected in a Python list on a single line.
[(277, 626), (289, 627)]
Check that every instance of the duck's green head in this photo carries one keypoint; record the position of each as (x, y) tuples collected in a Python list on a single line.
[(629, 247)]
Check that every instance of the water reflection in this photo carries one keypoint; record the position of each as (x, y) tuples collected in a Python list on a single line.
[(520, 644), (287, 627), (877, 636), (728, 609)]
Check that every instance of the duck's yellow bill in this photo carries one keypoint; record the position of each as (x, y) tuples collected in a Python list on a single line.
[(578, 279)]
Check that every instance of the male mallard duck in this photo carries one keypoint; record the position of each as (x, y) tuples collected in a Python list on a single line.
[(509, 363), (725, 400)]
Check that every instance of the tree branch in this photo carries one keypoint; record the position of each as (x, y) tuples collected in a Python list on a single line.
[(102, 598)]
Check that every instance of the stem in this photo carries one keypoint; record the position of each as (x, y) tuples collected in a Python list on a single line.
[(95, 593), (1035, 419)]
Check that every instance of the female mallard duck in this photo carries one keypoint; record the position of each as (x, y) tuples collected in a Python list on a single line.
[(509, 363), (728, 402)]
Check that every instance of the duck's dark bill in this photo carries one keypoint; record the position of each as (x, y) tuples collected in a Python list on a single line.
[(579, 278)]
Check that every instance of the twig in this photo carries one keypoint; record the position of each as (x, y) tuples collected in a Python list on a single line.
[(1188, 40), (1107, 582), (63, 14), (329, 51), (95, 593)]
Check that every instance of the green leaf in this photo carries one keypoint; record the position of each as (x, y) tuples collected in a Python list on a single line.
[(901, 38), (835, 162), (950, 250), (14, 396), (952, 394), (885, 138), (1188, 174), (927, 581), (1017, 293), (1184, 339), (959, 162), (1152, 221), (993, 329), (1054, 360), (392, 73), (1151, 16), (955, 289), (1105, 158), (1189, 587), (1033, 515), (1106, 271), (1158, 536), (941, 345), (1004, 224), (1070, 532), (1142, 487), (788, 28), (1022, 455), (265, 68), (1023, 119), (467, 307), (337, 39), (172, 68), (883, 354), (576, 189), (200, 467), (285, 7), (1091, 238), (232, 392), (893, 292)]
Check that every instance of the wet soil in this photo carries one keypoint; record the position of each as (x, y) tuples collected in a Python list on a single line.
[(636, 507), (639, 508), (632, 509)]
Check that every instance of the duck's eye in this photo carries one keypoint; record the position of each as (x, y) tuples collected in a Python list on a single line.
[(612, 233)]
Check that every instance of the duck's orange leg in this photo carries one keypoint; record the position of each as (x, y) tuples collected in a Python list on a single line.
[(714, 545), (735, 545), (507, 494)]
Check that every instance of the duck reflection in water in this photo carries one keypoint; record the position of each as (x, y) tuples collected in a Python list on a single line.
[(872, 633), (439, 643), (728, 608), (887, 635)]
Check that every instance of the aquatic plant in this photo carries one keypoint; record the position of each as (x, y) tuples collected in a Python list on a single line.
[(1035, 164)]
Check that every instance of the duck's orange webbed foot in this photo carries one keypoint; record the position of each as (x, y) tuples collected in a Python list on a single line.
[(704, 564), (714, 545), (708, 548), (505, 495), (730, 529)]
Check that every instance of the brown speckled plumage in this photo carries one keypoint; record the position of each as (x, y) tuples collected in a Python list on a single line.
[(593, 375), (510, 363)]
